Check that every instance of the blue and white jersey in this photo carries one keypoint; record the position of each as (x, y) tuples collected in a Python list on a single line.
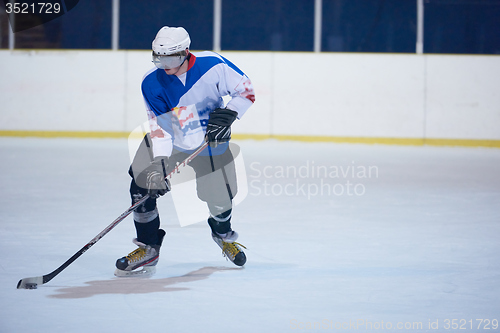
[(179, 106)]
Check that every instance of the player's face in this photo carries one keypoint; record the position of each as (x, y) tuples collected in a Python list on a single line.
[(173, 71), (172, 64), (179, 70), (169, 61)]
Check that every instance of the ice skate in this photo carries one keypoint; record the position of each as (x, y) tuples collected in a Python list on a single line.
[(142, 261), (227, 242)]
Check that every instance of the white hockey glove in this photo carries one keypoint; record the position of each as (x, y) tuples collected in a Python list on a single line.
[(156, 174), (219, 126)]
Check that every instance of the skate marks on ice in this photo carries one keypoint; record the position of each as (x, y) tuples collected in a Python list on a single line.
[(137, 285)]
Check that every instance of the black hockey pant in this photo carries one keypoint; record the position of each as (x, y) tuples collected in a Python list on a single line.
[(215, 184)]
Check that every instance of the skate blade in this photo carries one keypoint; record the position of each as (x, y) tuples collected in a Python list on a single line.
[(144, 272)]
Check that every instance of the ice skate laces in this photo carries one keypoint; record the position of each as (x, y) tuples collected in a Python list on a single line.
[(230, 250), (136, 255)]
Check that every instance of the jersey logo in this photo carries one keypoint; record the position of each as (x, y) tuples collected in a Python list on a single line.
[(182, 116), (185, 119)]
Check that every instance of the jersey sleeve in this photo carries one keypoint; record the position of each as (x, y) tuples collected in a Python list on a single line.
[(236, 84), (160, 122), (161, 139)]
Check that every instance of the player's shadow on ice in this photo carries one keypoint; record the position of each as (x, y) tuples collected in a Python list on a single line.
[(137, 285)]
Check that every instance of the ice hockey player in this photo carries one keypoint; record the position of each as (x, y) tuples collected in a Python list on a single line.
[(183, 97)]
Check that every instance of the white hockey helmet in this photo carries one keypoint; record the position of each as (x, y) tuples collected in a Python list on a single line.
[(168, 46)]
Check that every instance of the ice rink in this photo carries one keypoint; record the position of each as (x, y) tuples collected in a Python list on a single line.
[(339, 238)]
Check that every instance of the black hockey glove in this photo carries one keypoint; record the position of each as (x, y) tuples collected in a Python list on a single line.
[(219, 126), (156, 174)]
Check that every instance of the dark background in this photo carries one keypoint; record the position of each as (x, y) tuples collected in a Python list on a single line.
[(451, 26)]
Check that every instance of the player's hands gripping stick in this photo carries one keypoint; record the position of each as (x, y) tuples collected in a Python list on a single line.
[(156, 181)]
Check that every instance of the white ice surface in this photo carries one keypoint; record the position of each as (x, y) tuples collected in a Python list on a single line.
[(419, 244)]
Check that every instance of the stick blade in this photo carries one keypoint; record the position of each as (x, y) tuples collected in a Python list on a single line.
[(30, 283)]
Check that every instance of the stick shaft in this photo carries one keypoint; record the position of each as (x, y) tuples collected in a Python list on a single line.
[(46, 278)]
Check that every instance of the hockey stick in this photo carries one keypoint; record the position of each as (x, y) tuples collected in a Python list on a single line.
[(33, 282)]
